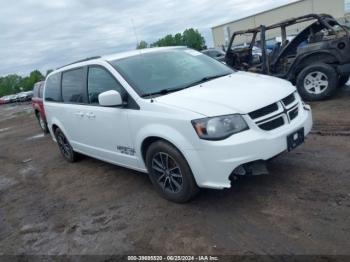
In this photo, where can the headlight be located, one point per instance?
(219, 128)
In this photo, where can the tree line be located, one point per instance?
(190, 38)
(12, 84)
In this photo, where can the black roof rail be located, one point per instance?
(79, 61)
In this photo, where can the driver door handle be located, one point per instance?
(81, 114)
(91, 115)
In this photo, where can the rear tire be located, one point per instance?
(65, 147)
(170, 173)
(317, 82)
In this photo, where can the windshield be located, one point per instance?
(168, 70)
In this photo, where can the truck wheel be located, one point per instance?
(42, 123)
(317, 82)
(65, 147)
(343, 80)
(170, 173)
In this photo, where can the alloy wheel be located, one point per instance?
(168, 173)
(316, 82)
(64, 145)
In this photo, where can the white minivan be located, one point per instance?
(184, 118)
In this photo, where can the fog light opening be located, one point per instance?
(256, 168)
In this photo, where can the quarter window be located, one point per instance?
(36, 90)
(99, 81)
(41, 89)
(52, 90)
(73, 86)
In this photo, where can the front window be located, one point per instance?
(99, 81)
(168, 71)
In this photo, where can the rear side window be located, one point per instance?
(99, 81)
(52, 90)
(73, 87)
(36, 90)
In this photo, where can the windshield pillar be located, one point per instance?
(265, 65)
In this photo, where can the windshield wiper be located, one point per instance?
(163, 92)
(206, 79)
(172, 90)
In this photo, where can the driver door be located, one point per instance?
(107, 130)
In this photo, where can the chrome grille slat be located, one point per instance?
(293, 113)
(273, 124)
(264, 111)
(278, 114)
(289, 100)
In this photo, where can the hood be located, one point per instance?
(240, 92)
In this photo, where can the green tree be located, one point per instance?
(13, 83)
(10, 84)
(29, 81)
(178, 39)
(193, 39)
(168, 40)
(190, 38)
(142, 45)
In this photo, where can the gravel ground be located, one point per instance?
(48, 206)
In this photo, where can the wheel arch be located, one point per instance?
(315, 90)
(147, 136)
(54, 125)
(325, 57)
(147, 142)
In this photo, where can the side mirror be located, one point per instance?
(110, 98)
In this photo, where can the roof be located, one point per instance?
(115, 56)
(259, 13)
(138, 52)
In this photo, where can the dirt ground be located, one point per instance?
(48, 206)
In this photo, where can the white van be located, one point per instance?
(184, 118)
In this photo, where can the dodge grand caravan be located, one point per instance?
(184, 118)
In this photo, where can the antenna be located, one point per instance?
(134, 29)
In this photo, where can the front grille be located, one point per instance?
(273, 124)
(264, 111)
(289, 99)
(294, 113)
(278, 114)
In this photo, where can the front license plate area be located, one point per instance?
(296, 139)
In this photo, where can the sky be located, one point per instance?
(46, 34)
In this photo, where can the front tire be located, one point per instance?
(317, 82)
(65, 147)
(170, 173)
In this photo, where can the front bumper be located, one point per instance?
(214, 163)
